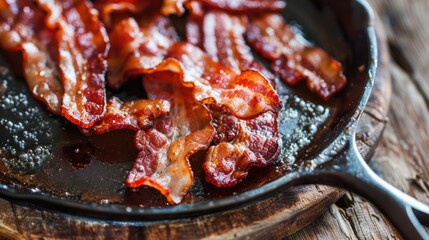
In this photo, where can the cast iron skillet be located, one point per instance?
(45, 161)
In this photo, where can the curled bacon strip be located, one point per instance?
(245, 6)
(191, 74)
(246, 95)
(173, 7)
(82, 53)
(23, 28)
(163, 161)
(133, 115)
(231, 6)
(137, 46)
(239, 145)
(292, 60)
(223, 40)
(115, 10)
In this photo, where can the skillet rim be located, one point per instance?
(123, 213)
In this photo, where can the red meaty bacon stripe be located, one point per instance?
(245, 95)
(164, 151)
(82, 51)
(113, 10)
(173, 7)
(23, 28)
(221, 36)
(163, 161)
(138, 45)
(245, 6)
(292, 60)
(133, 115)
(231, 6)
(239, 143)
(139, 35)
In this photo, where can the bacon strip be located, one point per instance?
(246, 95)
(231, 6)
(139, 37)
(223, 40)
(239, 145)
(23, 28)
(173, 7)
(133, 115)
(138, 46)
(291, 59)
(115, 10)
(246, 6)
(82, 52)
(163, 161)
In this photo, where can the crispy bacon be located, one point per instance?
(246, 95)
(108, 8)
(250, 142)
(239, 145)
(82, 51)
(23, 28)
(137, 46)
(113, 11)
(291, 59)
(231, 6)
(173, 7)
(155, 165)
(133, 115)
(245, 6)
(223, 40)
(163, 161)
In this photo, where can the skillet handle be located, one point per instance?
(351, 172)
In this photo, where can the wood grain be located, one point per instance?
(401, 156)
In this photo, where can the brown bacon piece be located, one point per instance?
(239, 145)
(82, 51)
(231, 6)
(223, 40)
(248, 142)
(163, 161)
(245, 95)
(137, 46)
(23, 28)
(246, 6)
(109, 8)
(133, 115)
(112, 11)
(173, 7)
(291, 59)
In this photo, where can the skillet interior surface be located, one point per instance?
(47, 161)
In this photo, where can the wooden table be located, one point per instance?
(401, 156)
